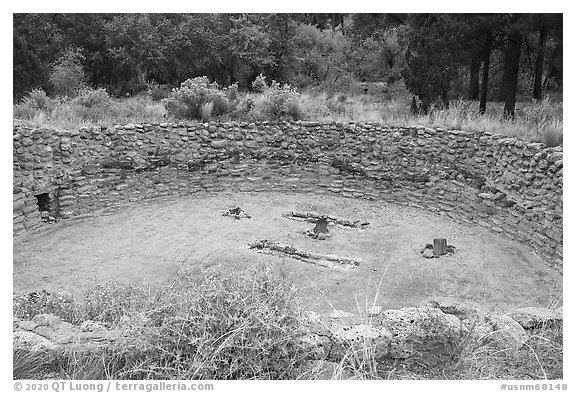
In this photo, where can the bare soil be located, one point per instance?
(150, 241)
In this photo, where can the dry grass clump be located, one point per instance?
(214, 328)
(88, 107)
(248, 327)
(535, 121)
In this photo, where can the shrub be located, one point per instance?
(91, 104)
(92, 98)
(35, 102)
(240, 327)
(282, 102)
(67, 74)
(231, 92)
(186, 102)
(27, 306)
(259, 84)
(206, 110)
(158, 92)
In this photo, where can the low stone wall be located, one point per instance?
(510, 186)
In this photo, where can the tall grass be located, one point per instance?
(213, 328)
(535, 121)
(248, 326)
(92, 107)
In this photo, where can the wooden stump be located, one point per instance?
(321, 226)
(440, 247)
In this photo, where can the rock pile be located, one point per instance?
(427, 333)
(237, 213)
(313, 217)
(332, 261)
(48, 333)
(430, 334)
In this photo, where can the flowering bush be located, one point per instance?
(282, 102)
(187, 101)
(259, 85)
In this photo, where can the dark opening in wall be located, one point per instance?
(43, 201)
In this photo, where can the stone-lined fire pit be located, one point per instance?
(438, 248)
(313, 217)
(236, 212)
(332, 261)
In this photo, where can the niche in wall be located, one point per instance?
(48, 205)
(44, 202)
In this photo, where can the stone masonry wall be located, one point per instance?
(510, 186)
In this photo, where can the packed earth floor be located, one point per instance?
(156, 239)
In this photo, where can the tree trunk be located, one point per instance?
(510, 76)
(440, 247)
(485, 70)
(552, 66)
(474, 78)
(540, 62)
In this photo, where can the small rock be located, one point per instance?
(506, 331)
(27, 325)
(32, 342)
(65, 296)
(428, 253)
(374, 310)
(456, 307)
(47, 320)
(219, 144)
(423, 331)
(321, 236)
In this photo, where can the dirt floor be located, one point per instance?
(151, 241)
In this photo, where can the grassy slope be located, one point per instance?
(244, 328)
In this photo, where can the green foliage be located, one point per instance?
(241, 327)
(91, 104)
(248, 326)
(381, 56)
(67, 75)
(158, 92)
(187, 101)
(92, 98)
(431, 63)
(27, 307)
(259, 84)
(35, 103)
(206, 111)
(282, 102)
(322, 57)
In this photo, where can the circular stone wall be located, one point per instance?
(490, 184)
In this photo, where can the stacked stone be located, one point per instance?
(508, 186)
